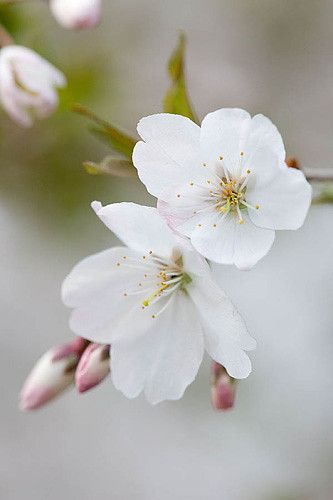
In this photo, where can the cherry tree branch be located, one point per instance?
(319, 174)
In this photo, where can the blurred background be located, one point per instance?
(269, 56)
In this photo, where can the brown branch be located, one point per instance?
(312, 174)
(319, 174)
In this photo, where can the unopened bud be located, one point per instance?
(77, 14)
(93, 367)
(51, 375)
(223, 388)
(28, 84)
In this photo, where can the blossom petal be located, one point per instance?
(224, 329)
(222, 135)
(140, 228)
(96, 287)
(229, 242)
(263, 134)
(159, 356)
(169, 154)
(219, 313)
(92, 275)
(284, 201)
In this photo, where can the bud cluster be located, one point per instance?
(80, 362)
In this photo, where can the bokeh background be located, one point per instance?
(269, 56)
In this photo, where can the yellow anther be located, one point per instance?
(204, 164)
(257, 207)
(214, 225)
(153, 295)
(191, 183)
(241, 221)
(153, 316)
(221, 158)
(242, 153)
(248, 171)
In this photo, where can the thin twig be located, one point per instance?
(318, 174)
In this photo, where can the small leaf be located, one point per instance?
(176, 100)
(118, 167)
(119, 141)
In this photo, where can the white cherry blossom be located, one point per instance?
(155, 302)
(77, 14)
(225, 186)
(28, 84)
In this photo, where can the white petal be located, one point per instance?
(96, 287)
(94, 274)
(170, 155)
(284, 200)
(160, 356)
(193, 262)
(224, 330)
(219, 313)
(233, 243)
(263, 134)
(140, 228)
(189, 206)
(222, 134)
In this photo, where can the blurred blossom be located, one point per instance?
(93, 367)
(51, 375)
(77, 14)
(28, 84)
(223, 388)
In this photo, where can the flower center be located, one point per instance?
(231, 193)
(160, 278)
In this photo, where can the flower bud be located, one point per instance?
(51, 375)
(28, 84)
(223, 388)
(93, 367)
(76, 14)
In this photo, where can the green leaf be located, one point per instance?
(176, 99)
(110, 165)
(116, 138)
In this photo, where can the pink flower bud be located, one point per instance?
(93, 367)
(51, 375)
(28, 84)
(76, 14)
(223, 388)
